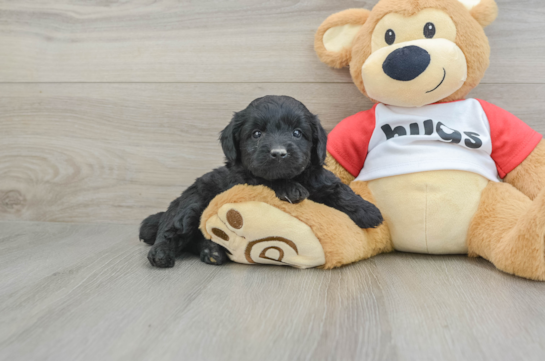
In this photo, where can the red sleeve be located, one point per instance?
(348, 142)
(512, 139)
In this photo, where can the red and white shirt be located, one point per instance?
(470, 135)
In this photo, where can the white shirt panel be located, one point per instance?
(447, 136)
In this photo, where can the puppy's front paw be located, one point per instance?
(294, 193)
(214, 254)
(368, 216)
(161, 256)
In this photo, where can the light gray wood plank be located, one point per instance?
(214, 41)
(118, 152)
(98, 299)
(469, 308)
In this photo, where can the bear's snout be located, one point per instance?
(414, 73)
(407, 63)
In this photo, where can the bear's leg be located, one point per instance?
(509, 231)
(256, 227)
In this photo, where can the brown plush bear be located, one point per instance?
(451, 175)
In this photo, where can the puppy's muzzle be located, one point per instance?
(278, 153)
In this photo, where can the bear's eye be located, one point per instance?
(256, 134)
(297, 133)
(429, 30)
(390, 37)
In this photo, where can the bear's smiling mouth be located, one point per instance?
(444, 76)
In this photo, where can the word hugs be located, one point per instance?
(447, 134)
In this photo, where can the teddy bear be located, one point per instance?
(450, 174)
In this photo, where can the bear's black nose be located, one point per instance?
(406, 63)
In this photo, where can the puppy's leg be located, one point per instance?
(363, 213)
(335, 194)
(208, 251)
(170, 240)
(162, 254)
(164, 250)
(179, 229)
(289, 191)
(179, 225)
(211, 253)
(149, 228)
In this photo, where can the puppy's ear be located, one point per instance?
(319, 142)
(230, 138)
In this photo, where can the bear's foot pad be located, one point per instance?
(256, 232)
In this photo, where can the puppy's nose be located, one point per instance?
(278, 153)
(405, 64)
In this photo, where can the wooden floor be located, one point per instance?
(86, 292)
(109, 109)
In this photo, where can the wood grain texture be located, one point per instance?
(110, 108)
(118, 152)
(214, 41)
(87, 292)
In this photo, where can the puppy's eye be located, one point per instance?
(429, 30)
(390, 37)
(297, 133)
(256, 134)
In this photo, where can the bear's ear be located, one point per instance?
(484, 11)
(333, 40)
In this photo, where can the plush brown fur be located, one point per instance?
(485, 12)
(529, 176)
(333, 166)
(338, 59)
(470, 37)
(509, 231)
(343, 242)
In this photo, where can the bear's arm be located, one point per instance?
(517, 149)
(529, 176)
(334, 167)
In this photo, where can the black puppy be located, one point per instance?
(274, 142)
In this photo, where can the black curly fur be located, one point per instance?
(295, 173)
